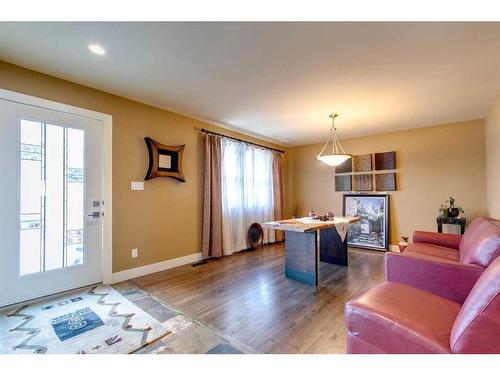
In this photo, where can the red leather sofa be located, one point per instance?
(446, 264)
(398, 318)
(442, 295)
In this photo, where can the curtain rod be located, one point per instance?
(237, 139)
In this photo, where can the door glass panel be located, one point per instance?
(75, 202)
(31, 220)
(54, 180)
(52, 198)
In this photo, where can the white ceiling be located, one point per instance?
(279, 81)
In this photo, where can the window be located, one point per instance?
(247, 192)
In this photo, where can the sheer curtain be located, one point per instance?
(247, 193)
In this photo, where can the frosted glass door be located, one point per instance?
(51, 187)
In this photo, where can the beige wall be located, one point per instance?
(433, 163)
(493, 160)
(164, 220)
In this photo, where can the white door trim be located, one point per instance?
(107, 181)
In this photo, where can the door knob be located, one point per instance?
(95, 215)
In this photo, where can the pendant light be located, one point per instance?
(338, 155)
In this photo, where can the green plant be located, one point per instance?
(447, 205)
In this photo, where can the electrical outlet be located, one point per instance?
(135, 253)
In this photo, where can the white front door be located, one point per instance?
(50, 201)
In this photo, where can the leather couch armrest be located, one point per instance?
(397, 318)
(442, 239)
(447, 279)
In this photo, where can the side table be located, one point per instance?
(451, 220)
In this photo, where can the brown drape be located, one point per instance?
(278, 191)
(212, 198)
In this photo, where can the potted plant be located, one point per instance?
(454, 211)
(448, 209)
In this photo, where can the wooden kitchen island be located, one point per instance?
(301, 245)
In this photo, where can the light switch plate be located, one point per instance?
(137, 185)
(135, 253)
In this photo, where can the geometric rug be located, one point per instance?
(97, 320)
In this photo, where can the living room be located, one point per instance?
(250, 188)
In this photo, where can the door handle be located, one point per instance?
(95, 215)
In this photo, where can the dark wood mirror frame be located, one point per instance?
(155, 149)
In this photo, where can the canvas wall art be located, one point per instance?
(385, 182)
(345, 167)
(372, 231)
(385, 160)
(362, 163)
(363, 182)
(343, 183)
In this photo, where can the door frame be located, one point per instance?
(107, 170)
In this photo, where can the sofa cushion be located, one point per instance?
(448, 279)
(480, 244)
(398, 318)
(442, 239)
(432, 252)
(477, 327)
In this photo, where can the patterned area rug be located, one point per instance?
(98, 320)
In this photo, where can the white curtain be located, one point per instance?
(247, 193)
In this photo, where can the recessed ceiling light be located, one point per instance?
(97, 49)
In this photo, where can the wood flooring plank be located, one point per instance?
(246, 296)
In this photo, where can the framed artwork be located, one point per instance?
(164, 161)
(385, 160)
(345, 167)
(385, 181)
(372, 231)
(363, 182)
(343, 183)
(362, 163)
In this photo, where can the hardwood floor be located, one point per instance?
(246, 298)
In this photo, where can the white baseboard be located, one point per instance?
(152, 268)
(167, 264)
